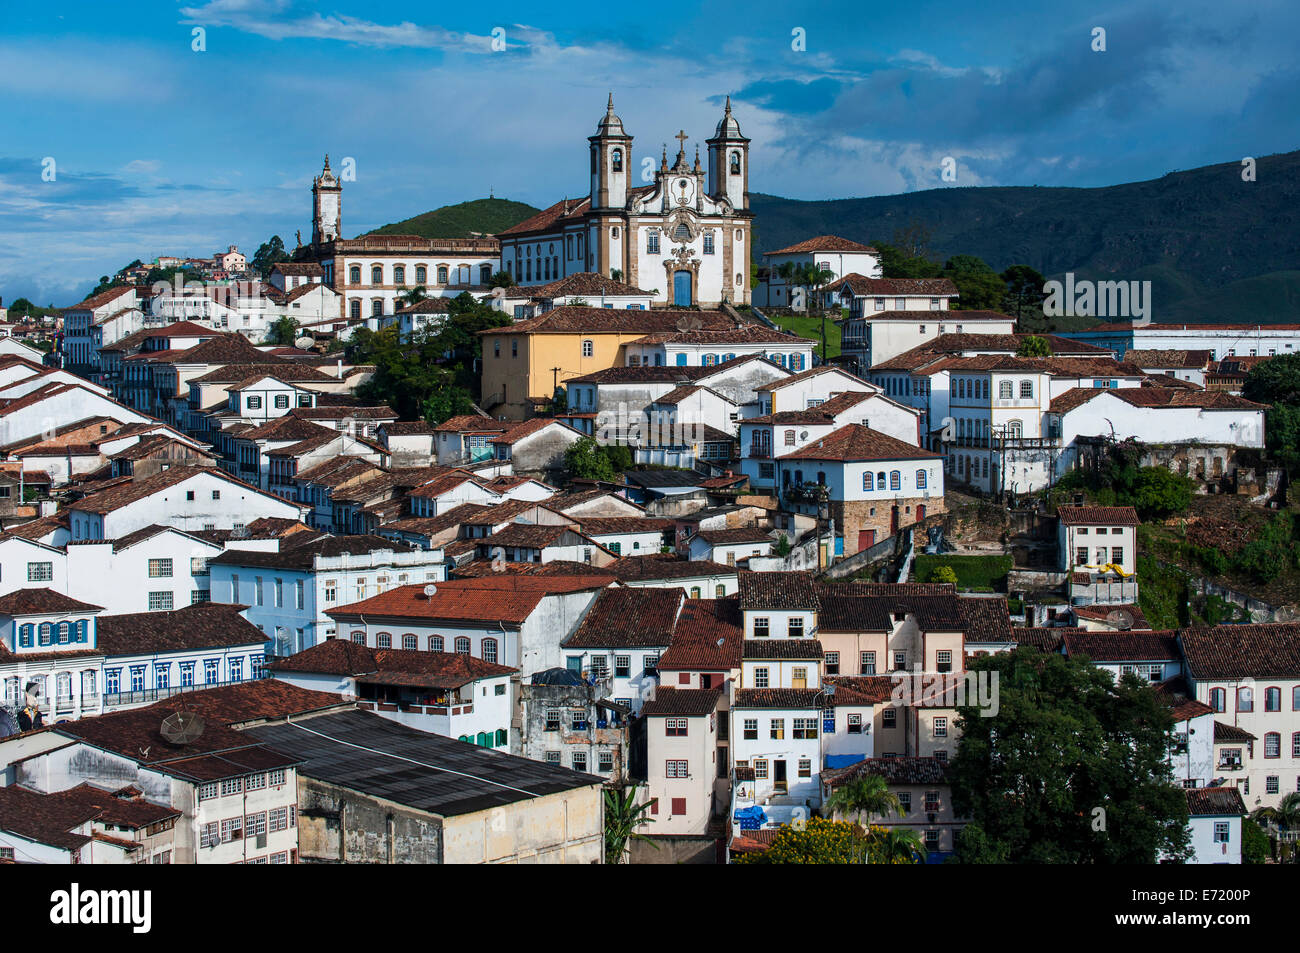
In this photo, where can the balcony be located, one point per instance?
(806, 493)
(759, 452)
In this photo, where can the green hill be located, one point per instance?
(485, 216)
(1214, 247)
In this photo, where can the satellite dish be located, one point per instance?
(430, 590)
(1120, 618)
(181, 727)
(303, 343)
(804, 435)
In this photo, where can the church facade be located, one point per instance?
(686, 236)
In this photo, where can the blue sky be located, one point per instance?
(159, 149)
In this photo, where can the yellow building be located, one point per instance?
(523, 363)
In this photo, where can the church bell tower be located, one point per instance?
(327, 206)
(611, 158)
(729, 162)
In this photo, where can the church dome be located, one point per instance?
(727, 126)
(610, 125)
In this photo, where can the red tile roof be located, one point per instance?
(854, 442)
(688, 702)
(576, 318)
(1215, 802)
(1097, 515)
(391, 666)
(822, 243)
(42, 601)
(1123, 646)
(629, 617)
(1261, 650)
(701, 626)
(202, 625)
(500, 597)
(863, 287)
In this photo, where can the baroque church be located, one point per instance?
(686, 235)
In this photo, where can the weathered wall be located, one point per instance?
(338, 825)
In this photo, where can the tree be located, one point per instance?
(1156, 492)
(622, 818)
(979, 287)
(268, 253)
(943, 574)
(1072, 768)
(283, 332)
(868, 795)
(823, 841)
(1024, 296)
(1254, 843)
(1277, 382)
(502, 279)
(894, 845)
(588, 460)
(1034, 346)
(410, 297)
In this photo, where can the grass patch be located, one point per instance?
(981, 573)
(810, 327)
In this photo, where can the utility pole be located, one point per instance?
(555, 382)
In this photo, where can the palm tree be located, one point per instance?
(869, 794)
(1284, 817)
(622, 818)
(413, 296)
(896, 845)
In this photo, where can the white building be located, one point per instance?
(839, 256)
(289, 590)
(1222, 340)
(877, 336)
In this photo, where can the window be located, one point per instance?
(622, 666)
(831, 664)
(1245, 699)
(760, 678)
(1272, 699)
(384, 640)
(160, 601)
(889, 718)
(1026, 389)
(578, 719)
(210, 835)
(255, 824)
(552, 719)
(900, 661)
(377, 275)
(281, 401)
(867, 663)
(855, 724)
(867, 482)
(489, 649)
(652, 242)
(776, 729)
(805, 728)
(1221, 835)
(708, 243)
(677, 769)
(1272, 745)
(941, 727)
(895, 480)
(1272, 784)
(40, 572)
(354, 275)
(794, 629)
(588, 348)
(760, 769)
(254, 403)
(580, 761)
(675, 727)
(462, 645)
(435, 643)
(761, 630)
(805, 768)
(232, 786)
(944, 660)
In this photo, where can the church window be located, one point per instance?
(421, 275)
(740, 279)
(708, 243)
(681, 233)
(377, 274)
(399, 275)
(652, 241)
(354, 275)
(616, 160)
(355, 309)
(735, 163)
(442, 274)
(740, 234)
(613, 232)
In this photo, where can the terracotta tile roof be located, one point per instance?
(101, 299)
(471, 423)
(702, 624)
(499, 597)
(778, 590)
(220, 349)
(688, 702)
(391, 666)
(403, 428)
(797, 650)
(517, 432)
(588, 284)
(1097, 515)
(750, 334)
(1191, 360)
(947, 345)
(43, 601)
(846, 608)
(863, 287)
(247, 702)
(307, 269)
(1215, 802)
(527, 535)
(1261, 650)
(855, 442)
(732, 537)
(203, 625)
(556, 567)
(1046, 638)
(1103, 614)
(629, 617)
(666, 566)
(1154, 397)
(434, 305)
(547, 218)
(44, 819)
(301, 555)
(609, 525)
(106, 501)
(947, 317)
(824, 413)
(822, 243)
(1231, 734)
(1181, 701)
(779, 698)
(1123, 646)
(893, 770)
